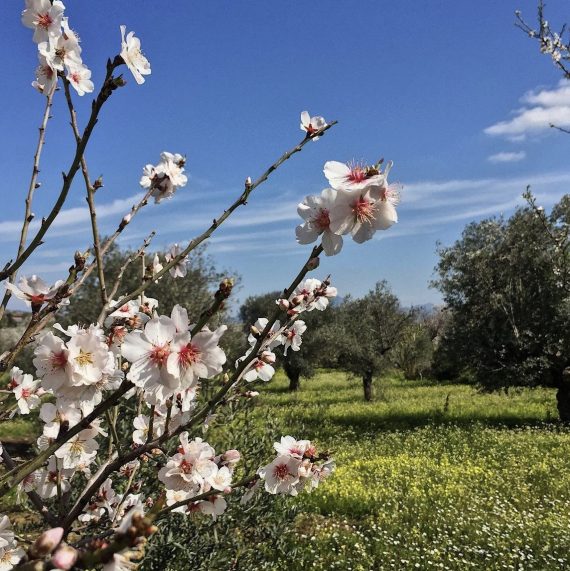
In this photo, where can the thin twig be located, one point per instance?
(90, 195)
(241, 200)
(109, 85)
(28, 216)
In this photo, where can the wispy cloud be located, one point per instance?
(542, 108)
(507, 157)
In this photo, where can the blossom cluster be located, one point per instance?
(358, 202)
(308, 295)
(194, 470)
(59, 51)
(297, 467)
(166, 360)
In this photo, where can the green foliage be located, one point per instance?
(365, 332)
(505, 284)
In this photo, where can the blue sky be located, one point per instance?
(450, 91)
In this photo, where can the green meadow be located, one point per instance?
(429, 476)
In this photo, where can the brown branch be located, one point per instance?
(109, 85)
(90, 188)
(105, 311)
(28, 216)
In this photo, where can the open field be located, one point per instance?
(430, 476)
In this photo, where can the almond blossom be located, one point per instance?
(48, 479)
(79, 76)
(281, 475)
(6, 533)
(79, 450)
(293, 336)
(34, 291)
(148, 351)
(44, 17)
(315, 211)
(166, 177)
(296, 467)
(361, 214)
(214, 506)
(190, 468)
(311, 125)
(46, 76)
(179, 269)
(10, 557)
(133, 57)
(260, 368)
(353, 176)
(274, 336)
(54, 415)
(311, 294)
(26, 394)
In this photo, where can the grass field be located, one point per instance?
(430, 476)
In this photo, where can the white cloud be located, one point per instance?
(542, 108)
(507, 157)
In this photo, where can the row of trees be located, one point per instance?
(364, 337)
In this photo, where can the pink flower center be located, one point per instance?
(58, 360)
(37, 298)
(159, 354)
(259, 364)
(281, 471)
(44, 21)
(363, 209)
(357, 174)
(188, 355)
(186, 466)
(322, 219)
(291, 334)
(75, 77)
(26, 393)
(124, 309)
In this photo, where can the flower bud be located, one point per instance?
(126, 219)
(98, 183)
(267, 357)
(248, 182)
(231, 457)
(64, 558)
(313, 263)
(225, 378)
(283, 304)
(297, 300)
(255, 331)
(46, 542)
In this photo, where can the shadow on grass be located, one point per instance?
(400, 421)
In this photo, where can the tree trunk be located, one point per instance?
(294, 381)
(367, 385)
(563, 396)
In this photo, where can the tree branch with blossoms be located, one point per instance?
(90, 372)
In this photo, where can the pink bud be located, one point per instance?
(64, 558)
(231, 457)
(268, 357)
(297, 300)
(283, 304)
(46, 542)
